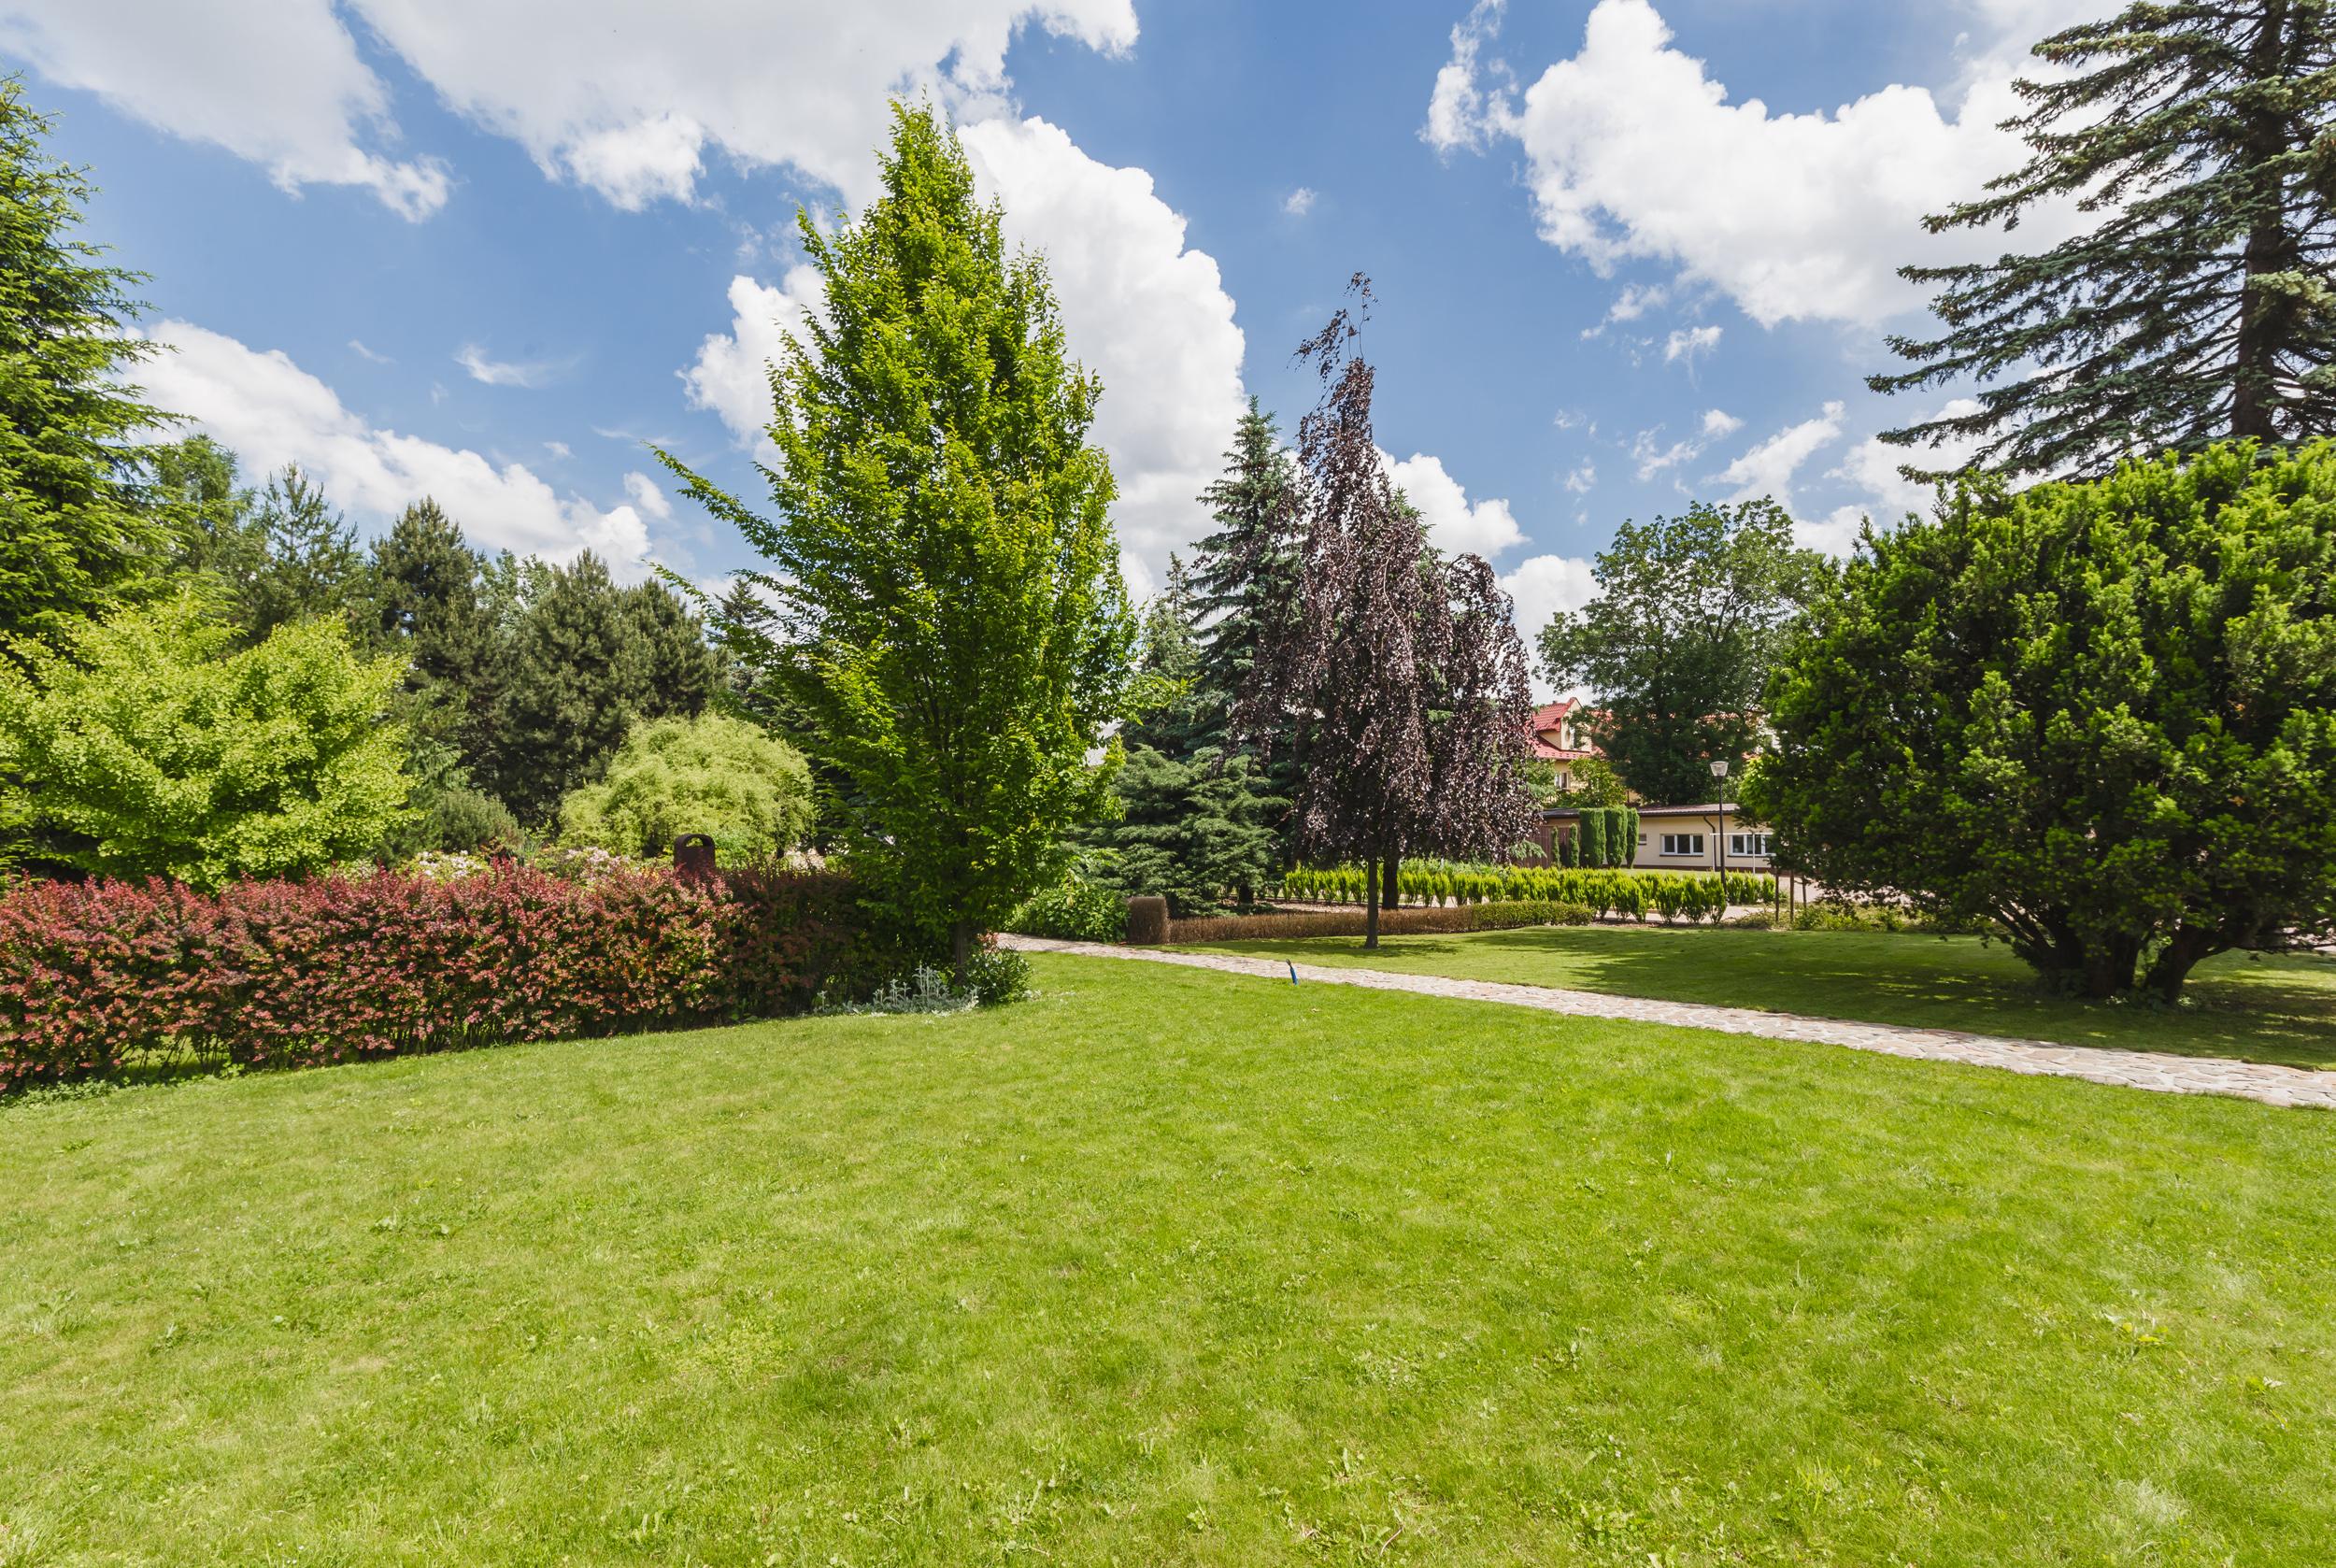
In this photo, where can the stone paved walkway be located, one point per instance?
(2126, 1069)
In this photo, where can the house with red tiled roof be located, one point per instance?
(1561, 736)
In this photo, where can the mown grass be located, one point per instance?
(2278, 1008)
(1166, 1266)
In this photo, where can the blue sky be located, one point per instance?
(1627, 253)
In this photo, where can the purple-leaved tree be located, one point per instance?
(1401, 681)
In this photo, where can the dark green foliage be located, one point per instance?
(1248, 574)
(1570, 849)
(426, 599)
(577, 678)
(213, 539)
(950, 630)
(1628, 850)
(2101, 715)
(457, 818)
(1190, 832)
(2201, 305)
(678, 672)
(1688, 616)
(77, 533)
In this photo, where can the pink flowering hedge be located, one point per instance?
(288, 974)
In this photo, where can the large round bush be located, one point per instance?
(709, 775)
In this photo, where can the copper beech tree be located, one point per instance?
(1401, 681)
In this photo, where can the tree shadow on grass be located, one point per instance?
(2273, 1009)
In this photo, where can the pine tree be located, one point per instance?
(952, 625)
(577, 675)
(2204, 305)
(1246, 574)
(679, 671)
(76, 534)
(425, 600)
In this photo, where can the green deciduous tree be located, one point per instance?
(149, 745)
(1690, 613)
(75, 532)
(950, 622)
(2202, 304)
(709, 775)
(2100, 715)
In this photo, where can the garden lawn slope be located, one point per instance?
(1165, 1266)
(2277, 1009)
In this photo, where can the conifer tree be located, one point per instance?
(951, 623)
(678, 672)
(577, 676)
(2204, 305)
(1245, 575)
(77, 535)
(426, 601)
(308, 566)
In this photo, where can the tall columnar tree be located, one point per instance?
(2202, 304)
(950, 622)
(1394, 672)
(2100, 715)
(75, 532)
(1689, 615)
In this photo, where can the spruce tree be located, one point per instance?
(2203, 306)
(577, 675)
(1245, 575)
(76, 534)
(951, 623)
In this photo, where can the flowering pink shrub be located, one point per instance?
(293, 973)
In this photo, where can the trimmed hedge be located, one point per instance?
(1617, 890)
(285, 974)
(1393, 923)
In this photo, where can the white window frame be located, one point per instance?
(1748, 846)
(1693, 846)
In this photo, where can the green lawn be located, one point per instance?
(1166, 1266)
(2279, 1008)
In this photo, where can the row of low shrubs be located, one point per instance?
(1397, 922)
(287, 974)
(1695, 895)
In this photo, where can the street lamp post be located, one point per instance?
(1719, 771)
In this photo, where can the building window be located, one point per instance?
(1683, 844)
(1749, 845)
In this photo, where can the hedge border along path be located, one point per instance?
(2155, 1071)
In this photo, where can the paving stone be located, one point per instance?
(2152, 1072)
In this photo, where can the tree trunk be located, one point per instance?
(2109, 967)
(2266, 319)
(2174, 961)
(1370, 899)
(1391, 884)
(961, 949)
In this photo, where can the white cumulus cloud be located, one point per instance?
(278, 82)
(1454, 523)
(1768, 468)
(628, 99)
(269, 412)
(1635, 152)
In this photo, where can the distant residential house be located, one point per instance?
(1680, 837)
(1561, 738)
